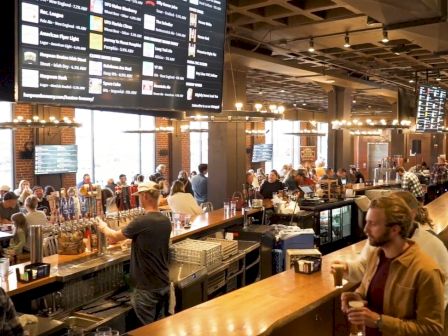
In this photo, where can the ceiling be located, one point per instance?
(278, 32)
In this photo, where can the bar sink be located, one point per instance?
(77, 321)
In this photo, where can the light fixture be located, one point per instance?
(369, 124)
(411, 80)
(438, 78)
(354, 101)
(239, 106)
(36, 122)
(311, 46)
(359, 132)
(347, 41)
(188, 129)
(304, 104)
(258, 107)
(255, 132)
(385, 37)
(162, 129)
(307, 132)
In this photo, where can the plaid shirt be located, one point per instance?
(411, 183)
(9, 325)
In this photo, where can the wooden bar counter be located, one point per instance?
(269, 307)
(200, 225)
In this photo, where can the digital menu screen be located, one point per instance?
(431, 109)
(130, 54)
(262, 153)
(55, 159)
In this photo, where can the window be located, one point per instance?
(105, 151)
(322, 143)
(286, 148)
(6, 158)
(198, 144)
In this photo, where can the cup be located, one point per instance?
(4, 267)
(233, 207)
(187, 218)
(356, 329)
(338, 274)
(104, 331)
(226, 208)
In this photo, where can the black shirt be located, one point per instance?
(268, 188)
(6, 213)
(150, 236)
(44, 206)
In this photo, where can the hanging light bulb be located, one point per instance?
(347, 41)
(438, 78)
(311, 46)
(385, 37)
(239, 106)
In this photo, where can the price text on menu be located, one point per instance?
(134, 54)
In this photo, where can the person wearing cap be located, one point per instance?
(150, 234)
(8, 207)
(3, 190)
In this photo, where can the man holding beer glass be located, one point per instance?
(402, 289)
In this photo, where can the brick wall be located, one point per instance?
(68, 137)
(24, 168)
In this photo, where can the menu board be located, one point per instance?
(262, 153)
(55, 159)
(431, 109)
(130, 54)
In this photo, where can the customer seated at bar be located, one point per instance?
(183, 177)
(34, 216)
(19, 241)
(3, 190)
(355, 176)
(428, 242)
(23, 191)
(181, 201)
(160, 172)
(410, 182)
(271, 185)
(302, 180)
(261, 176)
(290, 182)
(402, 285)
(42, 202)
(8, 207)
(342, 176)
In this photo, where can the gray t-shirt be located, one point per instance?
(6, 213)
(150, 236)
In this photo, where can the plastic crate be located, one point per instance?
(228, 247)
(198, 252)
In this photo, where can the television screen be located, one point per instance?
(262, 153)
(129, 54)
(430, 109)
(55, 159)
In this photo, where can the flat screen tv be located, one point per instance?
(262, 153)
(430, 108)
(55, 159)
(122, 54)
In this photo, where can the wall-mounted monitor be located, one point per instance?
(55, 159)
(262, 153)
(430, 108)
(128, 54)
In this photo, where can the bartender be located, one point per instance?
(150, 234)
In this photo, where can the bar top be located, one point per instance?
(66, 266)
(256, 309)
(437, 211)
